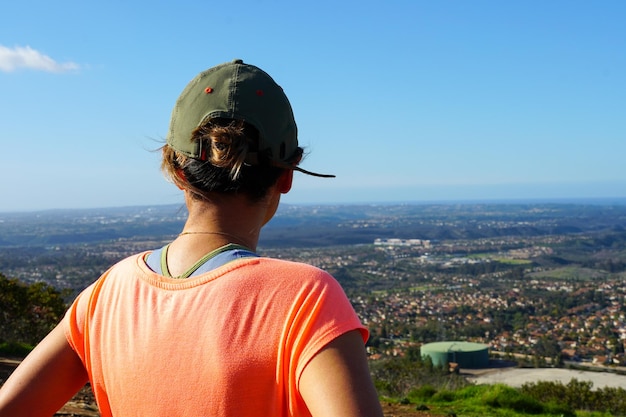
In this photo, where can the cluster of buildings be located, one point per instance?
(416, 291)
(402, 242)
(510, 314)
(511, 322)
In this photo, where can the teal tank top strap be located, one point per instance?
(157, 260)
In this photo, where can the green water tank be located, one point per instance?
(467, 354)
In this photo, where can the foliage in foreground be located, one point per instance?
(396, 377)
(484, 400)
(411, 380)
(580, 395)
(27, 312)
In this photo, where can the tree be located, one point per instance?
(547, 347)
(28, 312)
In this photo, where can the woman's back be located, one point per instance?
(229, 342)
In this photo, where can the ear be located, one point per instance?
(285, 181)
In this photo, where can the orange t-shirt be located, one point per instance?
(230, 342)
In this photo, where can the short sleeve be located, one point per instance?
(325, 317)
(320, 313)
(75, 319)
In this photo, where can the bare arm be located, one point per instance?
(49, 376)
(337, 381)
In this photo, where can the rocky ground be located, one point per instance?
(83, 404)
(397, 410)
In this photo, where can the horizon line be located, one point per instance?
(462, 201)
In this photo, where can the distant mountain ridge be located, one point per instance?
(324, 225)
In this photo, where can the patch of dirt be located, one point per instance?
(399, 410)
(82, 405)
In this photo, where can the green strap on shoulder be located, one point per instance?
(166, 272)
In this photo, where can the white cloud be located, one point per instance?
(16, 58)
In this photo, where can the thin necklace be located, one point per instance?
(233, 238)
(209, 233)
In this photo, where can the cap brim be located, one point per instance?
(297, 168)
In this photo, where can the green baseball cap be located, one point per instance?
(238, 91)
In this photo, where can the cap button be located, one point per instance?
(237, 61)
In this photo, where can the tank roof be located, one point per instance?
(452, 346)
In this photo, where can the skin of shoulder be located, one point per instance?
(347, 389)
(49, 376)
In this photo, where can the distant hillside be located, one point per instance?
(321, 225)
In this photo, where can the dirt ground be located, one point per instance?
(397, 410)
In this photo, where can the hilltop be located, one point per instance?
(539, 282)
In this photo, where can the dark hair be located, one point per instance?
(223, 168)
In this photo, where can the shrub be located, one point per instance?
(397, 377)
(558, 409)
(472, 391)
(502, 396)
(444, 396)
(28, 312)
(424, 392)
(15, 349)
(545, 391)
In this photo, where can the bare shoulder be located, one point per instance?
(347, 388)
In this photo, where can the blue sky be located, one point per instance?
(402, 100)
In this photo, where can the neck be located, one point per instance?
(226, 218)
(211, 225)
(227, 237)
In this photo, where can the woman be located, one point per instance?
(205, 326)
